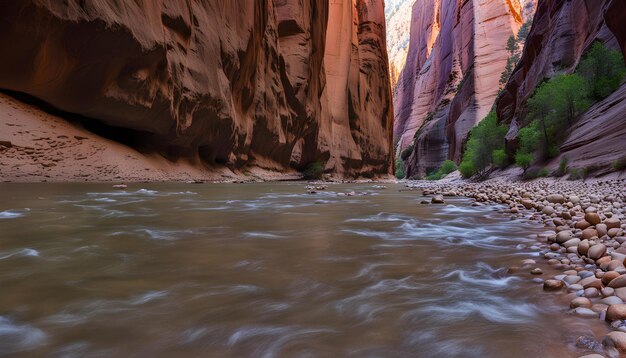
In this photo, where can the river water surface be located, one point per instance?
(267, 270)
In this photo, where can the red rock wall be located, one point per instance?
(562, 31)
(273, 83)
(456, 56)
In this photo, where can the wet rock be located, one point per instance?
(553, 285)
(582, 225)
(611, 300)
(585, 312)
(572, 243)
(615, 312)
(612, 223)
(609, 276)
(564, 236)
(588, 234)
(556, 198)
(615, 340)
(591, 292)
(596, 251)
(592, 218)
(580, 302)
(618, 282)
(601, 229)
(620, 292)
(590, 282)
(583, 247)
(571, 279)
(437, 199)
(536, 271)
(608, 291)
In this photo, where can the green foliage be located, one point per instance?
(536, 173)
(458, 88)
(313, 171)
(524, 160)
(406, 153)
(446, 168)
(400, 173)
(499, 158)
(484, 139)
(467, 169)
(429, 117)
(529, 138)
(434, 176)
(562, 170)
(603, 69)
(522, 34)
(620, 164)
(511, 45)
(575, 174)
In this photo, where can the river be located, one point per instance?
(268, 270)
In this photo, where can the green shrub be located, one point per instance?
(524, 160)
(467, 169)
(575, 174)
(562, 170)
(400, 173)
(447, 167)
(314, 171)
(435, 175)
(406, 153)
(484, 139)
(620, 164)
(543, 172)
(499, 158)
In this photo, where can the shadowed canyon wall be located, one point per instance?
(277, 84)
(562, 32)
(456, 55)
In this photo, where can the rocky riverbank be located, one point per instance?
(585, 242)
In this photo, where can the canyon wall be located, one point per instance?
(398, 19)
(561, 33)
(456, 55)
(277, 84)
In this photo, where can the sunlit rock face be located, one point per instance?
(562, 31)
(277, 84)
(457, 52)
(398, 16)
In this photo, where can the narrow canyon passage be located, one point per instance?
(268, 270)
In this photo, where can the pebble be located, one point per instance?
(616, 340)
(536, 271)
(552, 285)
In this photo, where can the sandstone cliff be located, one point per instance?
(398, 19)
(562, 31)
(277, 84)
(451, 77)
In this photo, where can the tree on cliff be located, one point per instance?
(603, 69)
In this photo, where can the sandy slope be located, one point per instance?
(37, 146)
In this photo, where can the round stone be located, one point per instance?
(615, 340)
(619, 281)
(552, 285)
(596, 251)
(580, 302)
(592, 218)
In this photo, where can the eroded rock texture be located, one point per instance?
(272, 83)
(562, 31)
(398, 18)
(451, 77)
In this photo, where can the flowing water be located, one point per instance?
(267, 270)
